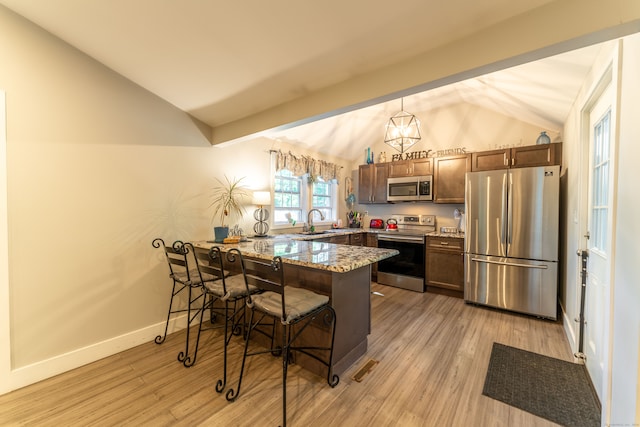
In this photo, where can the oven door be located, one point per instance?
(405, 270)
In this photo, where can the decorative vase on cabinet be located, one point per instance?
(543, 139)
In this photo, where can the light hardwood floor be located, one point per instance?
(433, 352)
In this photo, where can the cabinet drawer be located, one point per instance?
(356, 239)
(340, 240)
(451, 243)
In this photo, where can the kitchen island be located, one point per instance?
(341, 272)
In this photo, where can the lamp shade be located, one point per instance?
(261, 198)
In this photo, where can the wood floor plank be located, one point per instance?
(433, 352)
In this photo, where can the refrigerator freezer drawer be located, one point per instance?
(524, 286)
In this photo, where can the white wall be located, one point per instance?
(625, 369)
(621, 406)
(574, 158)
(96, 168)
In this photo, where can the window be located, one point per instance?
(295, 196)
(600, 205)
(287, 197)
(322, 198)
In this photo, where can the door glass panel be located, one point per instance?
(600, 208)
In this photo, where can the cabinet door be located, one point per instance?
(422, 167)
(401, 168)
(445, 264)
(449, 178)
(490, 160)
(379, 190)
(536, 155)
(416, 167)
(365, 183)
(371, 240)
(372, 183)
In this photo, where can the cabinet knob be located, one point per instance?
(444, 243)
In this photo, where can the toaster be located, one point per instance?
(376, 223)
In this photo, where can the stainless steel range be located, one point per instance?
(406, 270)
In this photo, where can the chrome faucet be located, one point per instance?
(310, 217)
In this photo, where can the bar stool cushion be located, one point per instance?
(182, 277)
(235, 287)
(298, 302)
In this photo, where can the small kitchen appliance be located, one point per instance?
(410, 189)
(376, 223)
(392, 224)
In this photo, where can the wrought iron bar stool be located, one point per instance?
(219, 285)
(181, 273)
(292, 307)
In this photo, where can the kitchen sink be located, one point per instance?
(311, 233)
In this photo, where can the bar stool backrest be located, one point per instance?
(266, 275)
(176, 259)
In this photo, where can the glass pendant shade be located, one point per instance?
(402, 131)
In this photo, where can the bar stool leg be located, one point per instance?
(285, 365)
(221, 384)
(232, 394)
(160, 338)
(188, 361)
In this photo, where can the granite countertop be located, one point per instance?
(307, 253)
(347, 231)
(458, 235)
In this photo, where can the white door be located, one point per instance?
(599, 223)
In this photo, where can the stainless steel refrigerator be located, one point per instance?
(511, 239)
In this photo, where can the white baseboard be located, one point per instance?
(48, 368)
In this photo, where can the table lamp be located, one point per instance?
(261, 199)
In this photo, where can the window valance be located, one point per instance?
(301, 165)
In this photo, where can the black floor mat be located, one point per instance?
(550, 388)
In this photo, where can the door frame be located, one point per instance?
(5, 316)
(610, 75)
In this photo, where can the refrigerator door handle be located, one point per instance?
(513, 264)
(510, 212)
(504, 207)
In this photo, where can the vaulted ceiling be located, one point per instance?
(222, 61)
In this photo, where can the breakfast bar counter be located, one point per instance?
(341, 272)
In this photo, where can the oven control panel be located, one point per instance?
(421, 220)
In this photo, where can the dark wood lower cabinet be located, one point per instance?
(356, 239)
(371, 240)
(445, 265)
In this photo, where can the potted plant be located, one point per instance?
(227, 199)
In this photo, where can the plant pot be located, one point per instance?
(220, 233)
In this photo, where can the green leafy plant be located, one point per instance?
(227, 198)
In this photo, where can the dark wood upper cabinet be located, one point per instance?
(449, 178)
(518, 157)
(372, 183)
(536, 155)
(415, 167)
(491, 160)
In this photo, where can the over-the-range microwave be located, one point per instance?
(410, 189)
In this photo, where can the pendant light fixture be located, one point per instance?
(403, 130)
